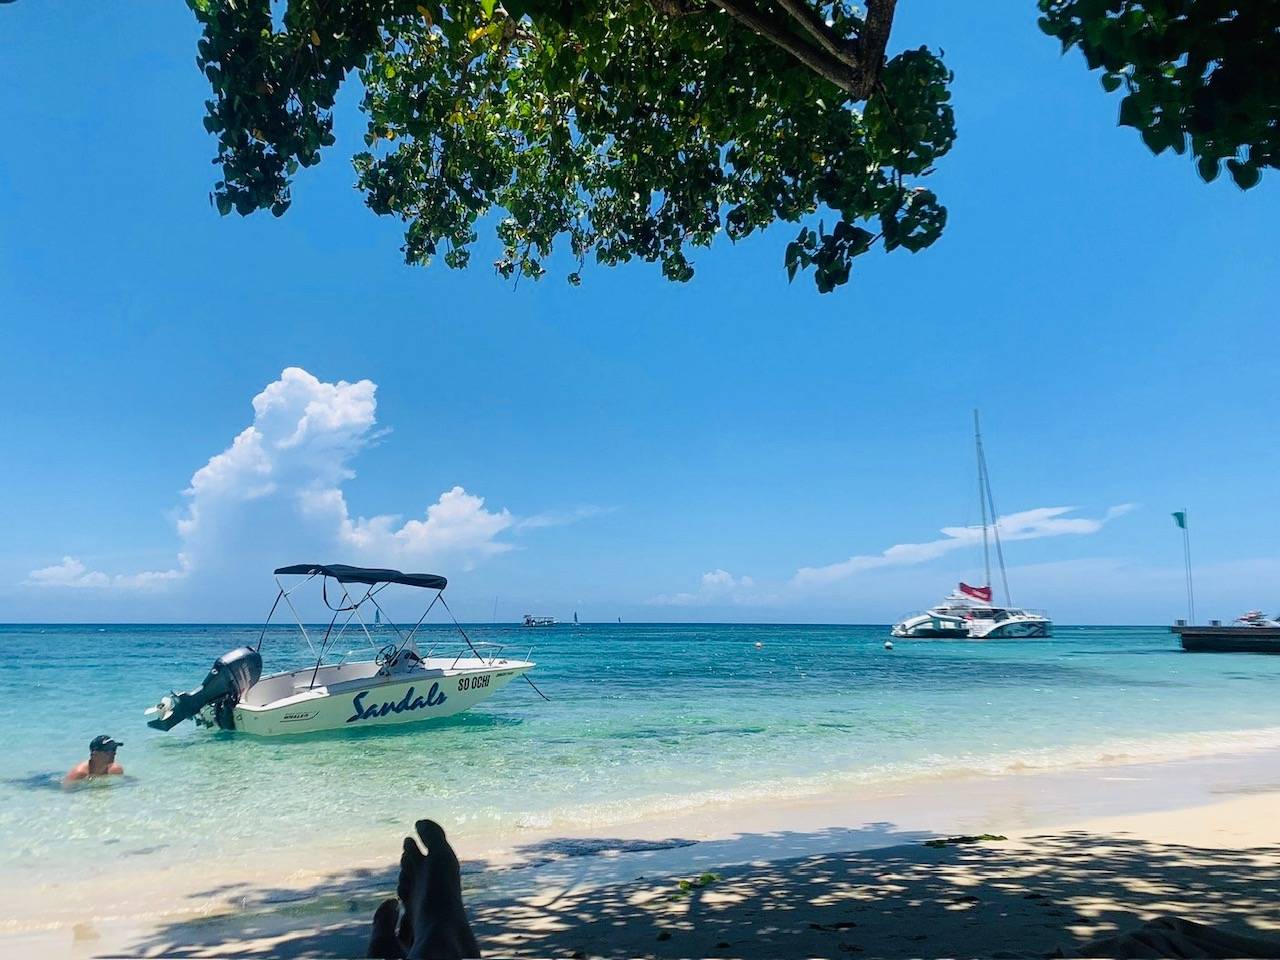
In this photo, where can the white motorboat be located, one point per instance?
(531, 621)
(1256, 618)
(399, 685)
(970, 613)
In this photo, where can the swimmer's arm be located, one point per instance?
(115, 768)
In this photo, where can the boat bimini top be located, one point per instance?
(374, 580)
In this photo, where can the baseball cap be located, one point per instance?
(104, 744)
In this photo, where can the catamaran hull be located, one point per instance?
(929, 633)
(927, 627)
(408, 700)
(1018, 630)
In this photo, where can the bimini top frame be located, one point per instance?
(373, 576)
(375, 580)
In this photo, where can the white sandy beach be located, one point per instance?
(1089, 852)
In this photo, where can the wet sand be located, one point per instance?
(1088, 853)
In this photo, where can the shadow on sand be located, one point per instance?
(590, 897)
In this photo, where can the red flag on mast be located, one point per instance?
(978, 593)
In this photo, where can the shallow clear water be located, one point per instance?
(642, 719)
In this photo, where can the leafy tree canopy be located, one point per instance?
(624, 128)
(643, 128)
(1198, 74)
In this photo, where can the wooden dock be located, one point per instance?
(1216, 639)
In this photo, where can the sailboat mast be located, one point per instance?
(982, 499)
(989, 506)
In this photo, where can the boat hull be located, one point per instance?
(930, 626)
(1018, 630)
(397, 700)
(933, 627)
(1229, 639)
(930, 633)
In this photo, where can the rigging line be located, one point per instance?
(445, 604)
(351, 610)
(414, 631)
(1000, 549)
(343, 629)
(306, 636)
(320, 657)
(324, 591)
(356, 613)
(995, 529)
(388, 621)
(1186, 549)
(982, 502)
(301, 583)
(268, 620)
(535, 688)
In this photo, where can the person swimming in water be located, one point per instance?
(101, 762)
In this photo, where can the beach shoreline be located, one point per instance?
(241, 911)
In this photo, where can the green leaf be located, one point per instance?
(1111, 82)
(1245, 175)
(1131, 112)
(1208, 168)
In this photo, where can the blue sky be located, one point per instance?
(651, 444)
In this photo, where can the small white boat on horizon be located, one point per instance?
(531, 621)
(1256, 618)
(970, 613)
(399, 685)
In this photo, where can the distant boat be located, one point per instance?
(969, 613)
(1256, 618)
(377, 617)
(575, 619)
(1252, 632)
(532, 621)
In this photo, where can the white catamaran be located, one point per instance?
(969, 613)
(399, 685)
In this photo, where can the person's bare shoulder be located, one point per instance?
(79, 772)
(115, 768)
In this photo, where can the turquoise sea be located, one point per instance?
(642, 720)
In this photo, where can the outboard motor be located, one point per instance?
(230, 679)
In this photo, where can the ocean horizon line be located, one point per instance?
(516, 623)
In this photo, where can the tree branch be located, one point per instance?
(875, 37)
(778, 33)
(852, 65)
(843, 50)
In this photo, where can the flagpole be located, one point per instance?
(1186, 552)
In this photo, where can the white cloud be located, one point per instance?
(1026, 525)
(559, 518)
(69, 573)
(717, 587)
(456, 524)
(275, 495)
